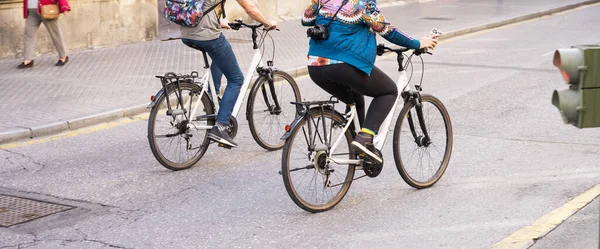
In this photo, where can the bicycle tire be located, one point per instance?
(404, 139)
(200, 144)
(268, 127)
(292, 164)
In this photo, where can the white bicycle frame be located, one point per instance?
(205, 80)
(379, 139)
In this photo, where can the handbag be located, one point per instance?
(50, 11)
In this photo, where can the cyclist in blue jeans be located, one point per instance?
(345, 59)
(208, 36)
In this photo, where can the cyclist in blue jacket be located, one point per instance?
(346, 59)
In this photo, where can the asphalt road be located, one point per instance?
(513, 162)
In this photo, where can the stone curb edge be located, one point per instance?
(517, 19)
(21, 133)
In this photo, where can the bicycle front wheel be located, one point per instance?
(422, 161)
(314, 181)
(269, 109)
(178, 141)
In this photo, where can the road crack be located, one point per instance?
(84, 238)
(106, 244)
(40, 167)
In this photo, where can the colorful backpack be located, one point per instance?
(188, 13)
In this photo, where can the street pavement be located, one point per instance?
(513, 162)
(579, 231)
(107, 83)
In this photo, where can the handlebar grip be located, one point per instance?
(422, 51)
(380, 50)
(235, 25)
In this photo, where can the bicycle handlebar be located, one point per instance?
(238, 23)
(382, 49)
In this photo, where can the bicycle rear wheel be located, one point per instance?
(267, 121)
(314, 182)
(179, 141)
(422, 163)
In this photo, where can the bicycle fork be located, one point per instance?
(423, 140)
(276, 108)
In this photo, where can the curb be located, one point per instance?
(517, 19)
(21, 133)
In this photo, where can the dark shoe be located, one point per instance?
(23, 65)
(221, 137)
(364, 143)
(61, 63)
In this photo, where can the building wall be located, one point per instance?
(106, 23)
(280, 9)
(90, 24)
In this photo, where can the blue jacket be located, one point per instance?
(351, 34)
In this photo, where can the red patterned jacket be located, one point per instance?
(63, 5)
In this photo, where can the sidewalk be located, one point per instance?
(109, 83)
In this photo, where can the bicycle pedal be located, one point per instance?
(225, 146)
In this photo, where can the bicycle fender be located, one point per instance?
(157, 96)
(287, 134)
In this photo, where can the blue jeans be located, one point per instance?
(223, 62)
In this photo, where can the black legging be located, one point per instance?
(334, 79)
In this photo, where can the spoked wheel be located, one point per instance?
(177, 140)
(422, 161)
(313, 181)
(269, 109)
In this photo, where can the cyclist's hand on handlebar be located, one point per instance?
(224, 24)
(271, 26)
(429, 42)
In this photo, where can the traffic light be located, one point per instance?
(580, 67)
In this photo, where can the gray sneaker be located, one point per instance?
(364, 143)
(221, 137)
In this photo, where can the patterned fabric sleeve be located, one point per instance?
(310, 14)
(372, 16)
